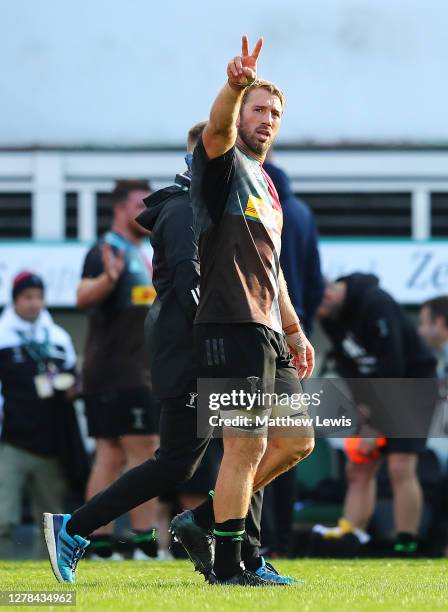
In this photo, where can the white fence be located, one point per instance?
(49, 175)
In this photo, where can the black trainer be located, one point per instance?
(243, 578)
(198, 543)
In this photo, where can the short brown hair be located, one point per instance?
(194, 133)
(269, 86)
(123, 188)
(438, 307)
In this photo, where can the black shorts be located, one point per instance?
(248, 357)
(414, 446)
(241, 350)
(111, 414)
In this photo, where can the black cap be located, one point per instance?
(25, 280)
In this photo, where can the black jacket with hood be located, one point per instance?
(169, 324)
(373, 337)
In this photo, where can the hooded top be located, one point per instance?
(373, 337)
(26, 350)
(299, 258)
(169, 324)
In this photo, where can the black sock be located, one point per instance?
(146, 541)
(72, 529)
(203, 514)
(406, 538)
(228, 547)
(68, 529)
(250, 555)
(252, 563)
(102, 546)
(406, 542)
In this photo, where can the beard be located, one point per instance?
(137, 229)
(252, 143)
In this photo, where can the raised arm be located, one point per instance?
(220, 132)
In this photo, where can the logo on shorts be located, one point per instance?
(253, 381)
(193, 397)
(138, 418)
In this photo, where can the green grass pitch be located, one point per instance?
(330, 585)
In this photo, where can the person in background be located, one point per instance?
(433, 328)
(300, 262)
(373, 338)
(299, 257)
(37, 362)
(122, 412)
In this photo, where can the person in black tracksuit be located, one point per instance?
(372, 338)
(169, 334)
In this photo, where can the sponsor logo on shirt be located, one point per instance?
(143, 295)
(263, 211)
(251, 207)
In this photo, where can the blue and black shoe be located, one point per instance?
(270, 574)
(64, 550)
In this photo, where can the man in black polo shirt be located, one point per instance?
(246, 326)
(122, 412)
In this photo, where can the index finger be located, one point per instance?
(258, 46)
(245, 46)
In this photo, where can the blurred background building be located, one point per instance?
(100, 90)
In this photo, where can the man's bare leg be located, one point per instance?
(285, 449)
(233, 491)
(360, 498)
(407, 492)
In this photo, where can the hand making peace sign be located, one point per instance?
(242, 70)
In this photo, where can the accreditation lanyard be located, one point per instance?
(39, 352)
